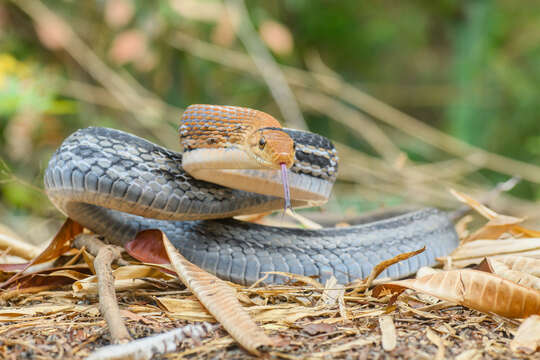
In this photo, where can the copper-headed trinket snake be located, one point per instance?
(235, 161)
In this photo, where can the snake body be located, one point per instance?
(117, 184)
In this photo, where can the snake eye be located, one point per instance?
(262, 143)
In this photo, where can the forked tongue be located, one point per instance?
(285, 181)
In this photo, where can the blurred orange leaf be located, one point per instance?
(118, 12)
(277, 37)
(128, 46)
(52, 32)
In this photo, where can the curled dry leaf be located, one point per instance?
(498, 224)
(380, 267)
(498, 267)
(473, 252)
(59, 245)
(522, 263)
(218, 298)
(527, 339)
(478, 290)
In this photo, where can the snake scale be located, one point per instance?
(117, 184)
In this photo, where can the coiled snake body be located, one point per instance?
(117, 184)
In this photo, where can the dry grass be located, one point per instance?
(56, 324)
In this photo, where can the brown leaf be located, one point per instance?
(59, 245)
(148, 247)
(498, 267)
(473, 252)
(475, 289)
(498, 224)
(527, 339)
(522, 263)
(220, 300)
(315, 329)
(53, 277)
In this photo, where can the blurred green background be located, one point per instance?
(466, 73)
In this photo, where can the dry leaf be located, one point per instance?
(498, 224)
(522, 278)
(59, 245)
(426, 270)
(527, 339)
(315, 329)
(473, 252)
(125, 277)
(48, 278)
(475, 289)
(522, 263)
(185, 309)
(147, 248)
(219, 299)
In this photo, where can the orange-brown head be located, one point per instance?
(271, 147)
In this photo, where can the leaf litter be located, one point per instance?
(52, 312)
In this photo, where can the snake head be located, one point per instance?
(271, 147)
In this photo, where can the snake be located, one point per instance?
(234, 161)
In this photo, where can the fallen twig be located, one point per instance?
(108, 305)
(153, 345)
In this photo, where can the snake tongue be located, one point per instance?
(286, 191)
